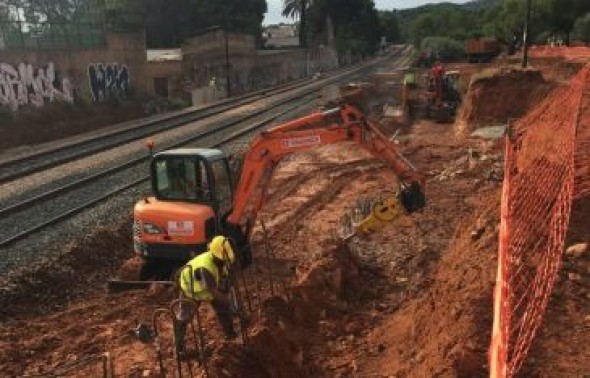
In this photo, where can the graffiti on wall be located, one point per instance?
(24, 85)
(108, 81)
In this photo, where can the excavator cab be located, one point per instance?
(194, 176)
(192, 195)
(442, 94)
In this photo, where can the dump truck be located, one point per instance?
(481, 50)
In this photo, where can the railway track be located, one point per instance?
(19, 220)
(17, 167)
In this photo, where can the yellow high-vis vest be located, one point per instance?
(192, 287)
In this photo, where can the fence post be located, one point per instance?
(498, 347)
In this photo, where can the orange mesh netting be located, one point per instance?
(569, 53)
(582, 155)
(536, 203)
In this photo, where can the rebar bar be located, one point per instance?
(198, 336)
(155, 316)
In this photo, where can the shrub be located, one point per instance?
(444, 48)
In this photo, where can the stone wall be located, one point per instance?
(169, 75)
(37, 77)
(279, 66)
(202, 58)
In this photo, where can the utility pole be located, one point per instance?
(527, 32)
(306, 59)
(303, 28)
(227, 73)
(226, 37)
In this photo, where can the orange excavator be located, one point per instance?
(442, 94)
(194, 196)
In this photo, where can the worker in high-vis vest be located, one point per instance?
(205, 278)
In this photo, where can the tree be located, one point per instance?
(56, 23)
(356, 23)
(294, 8)
(424, 26)
(447, 49)
(582, 28)
(125, 15)
(561, 15)
(169, 22)
(390, 26)
(458, 22)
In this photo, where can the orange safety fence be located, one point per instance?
(583, 150)
(537, 196)
(564, 52)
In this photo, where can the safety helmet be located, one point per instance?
(221, 248)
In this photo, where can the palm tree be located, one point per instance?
(292, 8)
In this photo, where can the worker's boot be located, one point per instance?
(227, 324)
(230, 335)
(225, 319)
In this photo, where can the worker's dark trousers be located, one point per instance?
(187, 312)
(224, 316)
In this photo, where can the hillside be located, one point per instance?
(458, 21)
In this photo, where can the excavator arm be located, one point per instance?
(343, 124)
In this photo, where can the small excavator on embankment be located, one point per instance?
(434, 95)
(442, 95)
(195, 196)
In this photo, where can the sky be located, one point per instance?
(273, 16)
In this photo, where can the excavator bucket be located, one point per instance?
(413, 198)
(383, 211)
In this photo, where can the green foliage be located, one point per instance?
(560, 16)
(53, 24)
(125, 15)
(356, 23)
(447, 49)
(582, 28)
(390, 26)
(170, 21)
(292, 8)
(458, 22)
(502, 19)
(298, 8)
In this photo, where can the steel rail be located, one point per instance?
(122, 188)
(11, 209)
(41, 161)
(15, 208)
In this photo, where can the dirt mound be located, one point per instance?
(496, 96)
(446, 330)
(51, 283)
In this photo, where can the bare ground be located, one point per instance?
(413, 300)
